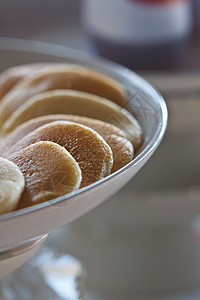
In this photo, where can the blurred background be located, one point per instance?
(161, 35)
(48, 20)
(144, 242)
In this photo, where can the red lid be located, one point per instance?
(156, 1)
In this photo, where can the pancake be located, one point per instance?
(88, 148)
(121, 147)
(10, 77)
(11, 185)
(49, 171)
(64, 76)
(77, 103)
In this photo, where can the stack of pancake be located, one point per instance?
(64, 127)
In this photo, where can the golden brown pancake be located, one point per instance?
(88, 148)
(121, 147)
(11, 185)
(49, 171)
(10, 77)
(64, 76)
(77, 103)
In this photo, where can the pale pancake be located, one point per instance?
(76, 103)
(11, 185)
(49, 170)
(88, 148)
(10, 77)
(64, 76)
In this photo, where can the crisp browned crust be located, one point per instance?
(76, 103)
(88, 148)
(121, 147)
(49, 171)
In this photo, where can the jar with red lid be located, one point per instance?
(140, 34)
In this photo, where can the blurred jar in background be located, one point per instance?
(141, 34)
(196, 12)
